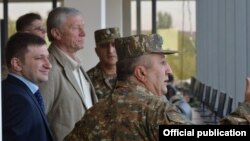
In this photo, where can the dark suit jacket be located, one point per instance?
(23, 119)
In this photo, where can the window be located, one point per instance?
(16, 9)
(176, 23)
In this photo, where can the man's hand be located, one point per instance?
(247, 93)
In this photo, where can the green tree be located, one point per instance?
(183, 64)
(164, 20)
(11, 27)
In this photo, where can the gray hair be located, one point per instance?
(126, 67)
(58, 16)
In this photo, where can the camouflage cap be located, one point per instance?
(156, 40)
(137, 45)
(106, 35)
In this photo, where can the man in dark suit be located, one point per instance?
(30, 23)
(24, 118)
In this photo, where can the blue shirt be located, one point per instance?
(32, 86)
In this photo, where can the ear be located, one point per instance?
(56, 33)
(16, 64)
(140, 73)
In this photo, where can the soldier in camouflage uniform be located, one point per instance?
(171, 95)
(177, 98)
(179, 101)
(103, 75)
(134, 111)
(241, 116)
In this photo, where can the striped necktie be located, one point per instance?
(39, 99)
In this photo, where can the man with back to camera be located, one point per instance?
(177, 99)
(136, 108)
(103, 75)
(171, 95)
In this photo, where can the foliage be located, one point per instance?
(11, 27)
(164, 20)
(183, 64)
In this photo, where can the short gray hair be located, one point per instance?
(126, 67)
(57, 16)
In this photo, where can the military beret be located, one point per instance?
(137, 45)
(106, 35)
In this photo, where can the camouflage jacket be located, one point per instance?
(241, 116)
(184, 107)
(102, 84)
(131, 113)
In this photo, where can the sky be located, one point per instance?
(184, 22)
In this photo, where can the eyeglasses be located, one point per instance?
(40, 28)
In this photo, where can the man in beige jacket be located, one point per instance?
(69, 91)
